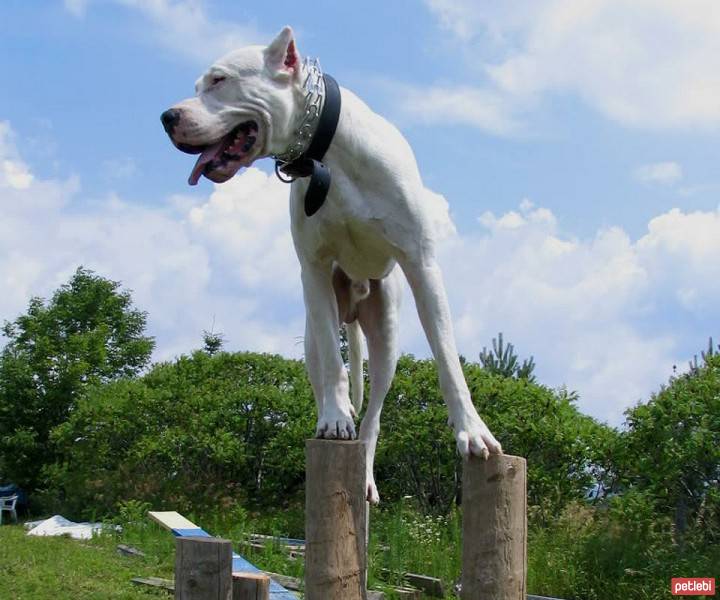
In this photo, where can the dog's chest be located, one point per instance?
(357, 245)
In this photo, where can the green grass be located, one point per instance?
(60, 568)
(404, 541)
(583, 555)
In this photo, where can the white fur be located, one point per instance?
(373, 227)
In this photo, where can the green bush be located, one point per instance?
(417, 456)
(201, 432)
(218, 430)
(624, 551)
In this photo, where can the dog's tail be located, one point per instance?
(355, 343)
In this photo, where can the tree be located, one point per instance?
(671, 449)
(212, 342)
(504, 362)
(694, 366)
(88, 332)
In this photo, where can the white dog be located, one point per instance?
(254, 103)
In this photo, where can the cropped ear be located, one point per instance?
(281, 56)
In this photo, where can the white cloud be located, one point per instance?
(186, 263)
(594, 312)
(664, 173)
(120, 168)
(483, 109)
(14, 173)
(681, 252)
(76, 7)
(185, 28)
(645, 63)
(607, 316)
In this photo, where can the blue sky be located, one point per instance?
(574, 144)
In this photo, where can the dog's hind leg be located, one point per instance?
(378, 316)
(349, 294)
(355, 343)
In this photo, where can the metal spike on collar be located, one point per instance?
(314, 87)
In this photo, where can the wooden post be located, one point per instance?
(336, 520)
(494, 505)
(250, 586)
(203, 569)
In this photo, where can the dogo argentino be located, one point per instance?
(374, 225)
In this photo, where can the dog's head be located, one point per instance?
(244, 109)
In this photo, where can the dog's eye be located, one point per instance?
(219, 79)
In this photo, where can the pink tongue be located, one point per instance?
(207, 155)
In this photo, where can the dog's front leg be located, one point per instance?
(335, 411)
(471, 434)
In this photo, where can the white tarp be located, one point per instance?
(58, 525)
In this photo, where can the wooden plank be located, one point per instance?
(431, 586)
(494, 506)
(291, 554)
(129, 551)
(407, 593)
(171, 520)
(291, 583)
(203, 568)
(156, 582)
(293, 543)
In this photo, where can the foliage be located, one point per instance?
(89, 332)
(213, 342)
(671, 450)
(693, 364)
(218, 430)
(404, 540)
(625, 550)
(416, 453)
(201, 432)
(504, 362)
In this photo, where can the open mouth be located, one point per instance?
(221, 160)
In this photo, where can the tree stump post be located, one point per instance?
(494, 506)
(336, 520)
(250, 586)
(203, 569)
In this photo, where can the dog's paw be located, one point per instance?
(335, 424)
(473, 437)
(371, 489)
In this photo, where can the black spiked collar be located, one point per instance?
(309, 163)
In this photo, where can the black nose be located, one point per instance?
(169, 119)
